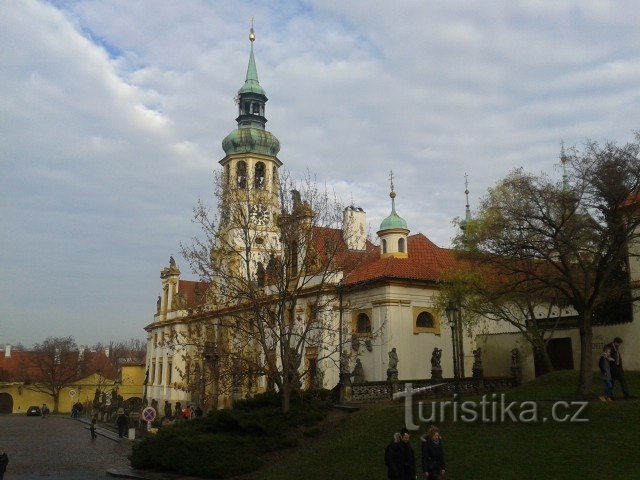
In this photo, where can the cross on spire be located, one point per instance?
(391, 179)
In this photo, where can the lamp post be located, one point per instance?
(453, 315)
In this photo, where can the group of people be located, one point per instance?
(76, 409)
(611, 370)
(401, 462)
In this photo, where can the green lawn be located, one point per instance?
(604, 447)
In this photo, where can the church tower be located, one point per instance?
(250, 188)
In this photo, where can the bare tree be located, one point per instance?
(571, 238)
(273, 262)
(54, 365)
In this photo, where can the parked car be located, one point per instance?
(33, 411)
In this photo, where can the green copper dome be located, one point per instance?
(392, 222)
(251, 140)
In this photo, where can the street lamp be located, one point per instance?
(453, 315)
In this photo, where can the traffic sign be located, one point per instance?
(149, 414)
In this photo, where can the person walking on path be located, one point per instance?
(432, 454)
(92, 428)
(403, 460)
(4, 461)
(604, 364)
(617, 372)
(122, 421)
(388, 453)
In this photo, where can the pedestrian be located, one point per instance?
(389, 452)
(45, 410)
(617, 372)
(433, 454)
(197, 412)
(92, 428)
(4, 461)
(186, 413)
(122, 421)
(403, 460)
(604, 364)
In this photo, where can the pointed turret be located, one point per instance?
(393, 231)
(251, 136)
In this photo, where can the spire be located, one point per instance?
(251, 83)
(563, 161)
(393, 221)
(251, 134)
(392, 194)
(467, 212)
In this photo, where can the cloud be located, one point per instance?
(112, 115)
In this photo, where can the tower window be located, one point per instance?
(247, 106)
(384, 246)
(259, 176)
(401, 245)
(363, 324)
(241, 171)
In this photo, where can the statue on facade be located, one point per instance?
(172, 262)
(158, 303)
(478, 369)
(393, 359)
(355, 342)
(345, 374)
(392, 370)
(436, 368)
(358, 372)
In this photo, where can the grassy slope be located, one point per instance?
(605, 447)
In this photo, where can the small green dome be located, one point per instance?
(251, 140)
(392, 222)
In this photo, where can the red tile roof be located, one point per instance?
(426, 261)
(193, 293)
(31, 366)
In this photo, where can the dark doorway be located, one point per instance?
(561, 355)
(6, 403)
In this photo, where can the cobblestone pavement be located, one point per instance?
(58, 447)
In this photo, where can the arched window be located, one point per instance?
(363, 324)
(401, 245)
(425, 320)
(260, 274)
(241, 175)
(384, 246)
(258, 179)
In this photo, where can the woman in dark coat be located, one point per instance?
(433, 455)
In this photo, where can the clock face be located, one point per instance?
(260, 214)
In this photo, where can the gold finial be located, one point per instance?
(252, 36)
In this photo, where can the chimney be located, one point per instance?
(354, 230)
(7, 351)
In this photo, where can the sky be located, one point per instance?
(112, 115)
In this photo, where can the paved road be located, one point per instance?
(57, 447)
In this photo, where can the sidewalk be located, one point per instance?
(101, 430)
(145, 475)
